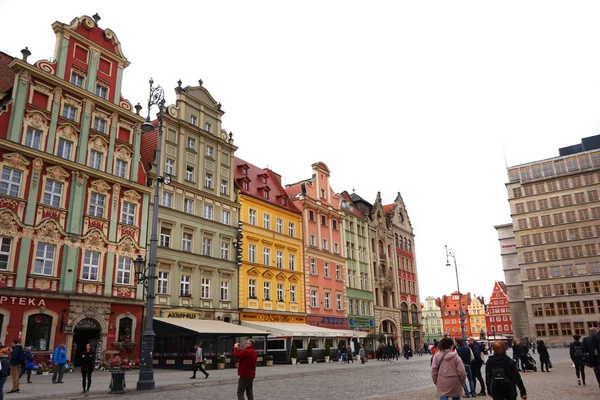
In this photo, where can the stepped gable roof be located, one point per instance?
(261, 181)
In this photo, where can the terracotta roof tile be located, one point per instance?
(7, 76)
(388, 208)
(148, 148)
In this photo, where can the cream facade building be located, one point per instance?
(477, 316)
(432, 321)
(555, 209)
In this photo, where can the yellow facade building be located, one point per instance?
(271, 275)
(477, 316)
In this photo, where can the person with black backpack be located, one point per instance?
(578, 356)
(4, 369)
(502, 376)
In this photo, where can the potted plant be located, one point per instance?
(221, 360)
(382, 338)
(294, 353)
(309, 353)
(269, 358)
(327, 352)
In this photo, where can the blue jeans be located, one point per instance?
(2, 382)
(449, 398)
(470, 379)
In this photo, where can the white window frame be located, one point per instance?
(326, 269)
(165, 239)
(9, 183)
(41, 261)
(5, 254)
(327, 300)
(338, 273)
(101, 91)
(61, 147)
(292, 291)
(205, 288)
(53, 193)
(162, 282)
(280, 289)
(124, 271)
(185, 285)
(292, 262)
(338, 301)
(128, 213)
(194, 120)
(69, 112)
(186, 241)
(206, 246)
(266, 256)
(252, 288)
(225, 217)
(96, 160)
(121, 167)
(99, 125)
(167, 200)
(267, 221)
(208, 180)
(252, 253)
(188, 206)
(91, 266)
(267, 290)
(279, 259)
(224, 290)
(33, 138)
(279, 225)
(191, 143)
(169, 166)
(291, 229)
(208, 211)
(252, 214)
(314, 298)
(313, 266)
(77, 82)
(224, 186)
(225, 250)
(189, 173)
(210, 151)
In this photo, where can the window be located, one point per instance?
(311, 215)
(575, 307)
(540, 329)
(584, 287)
(91, 266)
(327, 298)
(543, 272)
(185, 285)
(11, 182)
(266, 221)
(224, 187)
(546, 290)
(207, 127)
(292, 293)
(101, 91)
(279, 259)
(125, 328)
(558, 219)
(33, 138)
(163, 282)
(314, 299)
(593, 195)
(549, 309)
(121, 169)
(252, 288)
(324, 244)
(39, 328)
(194, 120)
(64, 148)
(291, 229)
(572, 288)
(224, 290)
(280, 292)
(266, 256)
(534, 291)
(579, 329)
(128, 215)
(252, 253)
(313, 266)
(210, 151)
(191, 143)
(537, 310)
(252, 216)
(206, 246)
(69, 112)
(188, 206)
(165, 237)
(334, 224)
(224, 250)
(169, 166)
(326, 270)
(554, 202)
(124, 271)
(590, 249)
(531, 273)
(5, 245)
(53, 193)
(99, 124)
(525, 240)
(588, 307)
(225, 217)
(546, 221)
(208, 211)
(208, 181)
(205, 288)
(338, 272)
(279, 225)
(186, 242)
(44, 259)
(95, 159)
(267, 290)
(559, 289)
(189, 173)
(338, 302)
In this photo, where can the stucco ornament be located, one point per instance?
(95, 242)
(48, 232)
(8, 224)
(38, 164)
(68, 132)
(81, 178)
(16, 160)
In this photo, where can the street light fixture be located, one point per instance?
(147, 276)
(450, 253)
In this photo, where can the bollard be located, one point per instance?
(117, 382)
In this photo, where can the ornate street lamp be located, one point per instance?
(450, 253)
(147, 276)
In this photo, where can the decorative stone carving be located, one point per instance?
(36, 120)
(100, 186)
(72, 102)
(95, 242)
(38, 164)
(89, 106)
(47, 66)
(8, 225)
(124, 154)
(98, 143)
(57, 173)
(42, 88)
(24, 77)
(95, 52)
(68, 132)
(132, 196)
(117, 189)
(16, 160)
(81, 178)
(49, 232)
(114, 118)
(43, 284)
(88, 288)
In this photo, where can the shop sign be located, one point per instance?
(407, 327)
(361, 323)
(334, 321)
(181, 313)
(22, 301)
(68, 329)
(260, 317)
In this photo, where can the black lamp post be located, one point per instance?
(450, 253)
(147, 276)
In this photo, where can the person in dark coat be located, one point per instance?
(28, 366)
(590, 345)
(544, 356)
(502, 376)
(476, 365)
(577, 356)
(17, 359)
(88, 361)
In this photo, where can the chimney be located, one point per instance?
(96, 18)
(26, 53)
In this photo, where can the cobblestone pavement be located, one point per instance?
(374, 380)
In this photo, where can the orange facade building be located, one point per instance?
(451, 313)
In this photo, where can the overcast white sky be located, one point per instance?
(417, 97)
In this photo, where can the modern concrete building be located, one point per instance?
(198, 211)
(555, 210)
(432, 321)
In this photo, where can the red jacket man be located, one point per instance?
(246, 368)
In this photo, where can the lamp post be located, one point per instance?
(147, 276)
(450, 253)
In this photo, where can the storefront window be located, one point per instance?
(404, 312)
(125, 326)
(299, 344)
(38, 332)
(406, 337)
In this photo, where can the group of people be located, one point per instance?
(390, 352)
(586, 353)
(16, 361)
(454, 364)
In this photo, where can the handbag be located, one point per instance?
(550, 363)
(29, 365)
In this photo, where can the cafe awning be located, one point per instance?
(302, 330)
(212, 327)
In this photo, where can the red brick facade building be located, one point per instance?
(498, 319)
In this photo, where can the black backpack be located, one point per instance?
(501, 377)
(5, 371)
(579, 354)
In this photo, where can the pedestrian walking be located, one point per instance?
(88, 362)
(467, 357)
(59, 358)
(349, 355)
(28, 366)
(199, 363)
(246, 369)
(448, 371)
(17, 359)
(578, 357)
(544, 356)
(361, 354)
(591, 346)
(476, 366)
(4, 369)
(502, 375)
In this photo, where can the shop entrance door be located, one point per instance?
(86, 331)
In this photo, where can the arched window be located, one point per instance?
(414, 316)
(396, 235)
(399, 244)
(125, 328)
(404, 312)
(405, 244)
(409, 247)
(39, 327)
